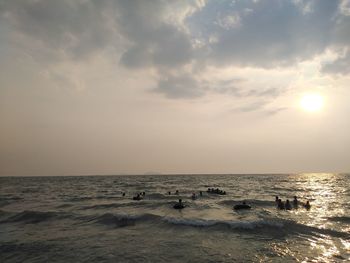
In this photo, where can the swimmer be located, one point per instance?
(193, 196)
(288, 206)
(242, 206)
(307, 205)
(200, 193)
(280, 204)
(138, 197)
(123, 194)
(179, 205)
(276, 199)
(295, 202)
(177, 192)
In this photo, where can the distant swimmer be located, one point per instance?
(200, 193)
(288, 205)
(177, 192)
(307, 205)
(123, 194)
(169, 193)
(276, 199)
(179, 205)
(280, 204)
(295, 202)
(242, 206)
(194, 197)
(138, 197)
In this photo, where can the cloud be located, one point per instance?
(260, 107)
(257, 105)
(178, 41)
(177, 87)
(272, 32)
(339, 66)
(52, 30)
(164, 46)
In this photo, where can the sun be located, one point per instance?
(312, 102)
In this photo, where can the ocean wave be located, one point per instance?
(267, 226)
(120, 220)
(271, 226)
(243, 225)
(33, 217)
(141, 203)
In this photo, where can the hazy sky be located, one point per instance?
(110, 87)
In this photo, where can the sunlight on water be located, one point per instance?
(323, 195)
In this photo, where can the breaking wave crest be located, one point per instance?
(268, 225)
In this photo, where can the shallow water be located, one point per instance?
(75, 219)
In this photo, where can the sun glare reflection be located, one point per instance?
(323, 192)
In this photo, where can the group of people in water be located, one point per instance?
(216, 191)
(289, 205)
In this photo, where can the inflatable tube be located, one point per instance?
(179, 206)
(241, 206)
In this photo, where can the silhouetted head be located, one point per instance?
(295, 197)
(180, 201)
(276, 198)
(287, 201)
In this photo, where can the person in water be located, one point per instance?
(276, 199)
(200, 193)
(194, 196)
(138, 197)
(177, 192)
(242, 206)
(123, 194)
(307, 205)
(295, 202)
(179, 205)
(288, 205)
(280, 204)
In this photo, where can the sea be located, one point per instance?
(87, 218)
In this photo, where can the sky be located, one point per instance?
(93, 87)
